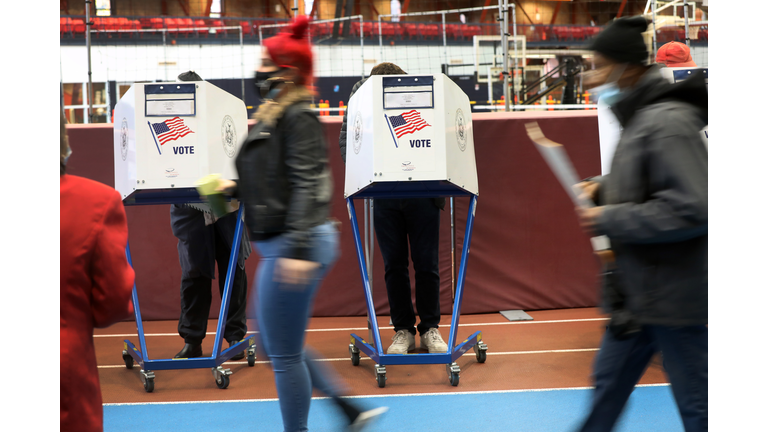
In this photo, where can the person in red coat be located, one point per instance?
(95, 287)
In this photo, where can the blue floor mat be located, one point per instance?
(649, 409)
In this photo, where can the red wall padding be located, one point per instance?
(527, 250)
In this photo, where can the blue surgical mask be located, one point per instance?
(610, 92)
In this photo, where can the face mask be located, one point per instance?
(610, 92)
(263, 82)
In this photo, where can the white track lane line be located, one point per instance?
(365, 328)
(368, 358)
(377, 396)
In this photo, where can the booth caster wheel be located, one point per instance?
(222, 382)
(221, 376)
(454, 379)
(127, 359)
(453, 373)
(381, 375)
(354, 354)
(148, 378)
(251, 356)
(480, 351)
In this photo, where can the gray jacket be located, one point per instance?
(655, 201)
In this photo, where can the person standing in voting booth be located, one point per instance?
(286, 185)
(95, 287)
(397, 223)
(653, 208)
(205, 242)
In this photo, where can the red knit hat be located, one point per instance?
(293, 50)
(675, 54)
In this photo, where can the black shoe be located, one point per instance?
(238, 356)
(190, 351)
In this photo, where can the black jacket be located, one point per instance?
(655, 201)
(284, 179)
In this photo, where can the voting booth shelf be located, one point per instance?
(410, 136)
(166, 137)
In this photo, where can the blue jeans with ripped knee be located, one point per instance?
(283, 312)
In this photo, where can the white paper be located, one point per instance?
(170, 107)
(407, 100)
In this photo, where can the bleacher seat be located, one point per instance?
(200, 25)
(156, 23)
(562, 33)
(78, 26)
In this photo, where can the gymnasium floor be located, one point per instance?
(536, 378)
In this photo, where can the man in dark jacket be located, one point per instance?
(653, 208)
(205, 241)
(399, 222)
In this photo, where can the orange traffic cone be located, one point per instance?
(550, 102)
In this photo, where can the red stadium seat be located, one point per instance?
(171, 24)
(472, 30)
(579, 33)
(156, 23)
(200, 25)
(410, 30)
(78, 26)
(561, 33)
(187, 24)
(247, 27)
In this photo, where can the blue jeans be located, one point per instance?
(283, 312)
(621, 363)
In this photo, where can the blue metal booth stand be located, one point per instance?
(141, 356)
(373, 347)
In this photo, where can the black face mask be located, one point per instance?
(262, 85)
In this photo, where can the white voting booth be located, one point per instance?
(609, 129)
(403, 128)
(410, 136)
(166, 137)
(169, 135)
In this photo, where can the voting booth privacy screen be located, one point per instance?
(408, 128)
(169, 135)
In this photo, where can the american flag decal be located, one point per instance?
(170, 130)
(407, 123)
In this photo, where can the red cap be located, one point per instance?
(293, 50)
(675, 54)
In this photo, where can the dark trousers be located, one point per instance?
(397, 223)
(620, 364)
(200, 248)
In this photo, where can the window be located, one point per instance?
(76, 103)
(216, 9)
(103, 8)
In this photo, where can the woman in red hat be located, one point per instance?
(286, 186)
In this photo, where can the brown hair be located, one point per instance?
(63, 143)
(387, 68)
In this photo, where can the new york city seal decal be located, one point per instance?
(228, 135)
(124, 139)
(357, 141)
(461, 130)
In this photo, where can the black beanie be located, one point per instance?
(622, 40)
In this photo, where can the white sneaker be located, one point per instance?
(403, 341)
(433, 341)
(366, 418)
